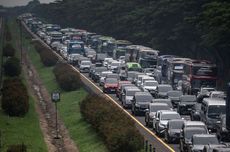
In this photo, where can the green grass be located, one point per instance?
(80, 131)
(16, 130)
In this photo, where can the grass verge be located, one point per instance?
(80, 131)
(18, 130)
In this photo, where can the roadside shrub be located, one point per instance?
(15, 99)
(8, 50)
(47, 56)
(116, 128)
(67, 78)
(17, 148)
(12, 67)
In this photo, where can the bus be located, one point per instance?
(119, 49)
(197, 74)
(147, 57)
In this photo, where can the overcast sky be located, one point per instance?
(10, 3)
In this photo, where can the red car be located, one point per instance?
(120, 83)
(110, 85)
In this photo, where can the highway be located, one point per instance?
(148, 133)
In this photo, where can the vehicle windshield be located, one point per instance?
(111, 80)
(112, 76)
(131, 74)
(176, 124)
(153, 83)
(205, 141)
(156, 108)
(177, 77)
(85, 63)
(115, 64)
(148, 63)
(164, 88)
(170, 116)
(175, 94)
(189, 133)
(104, 74)
(199, 83)
(100, 69)
(188, 98)
(131, 92)
(204, 71)
(215, 111)
(144, 98)
(178, 67)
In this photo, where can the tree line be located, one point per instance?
(196, 29)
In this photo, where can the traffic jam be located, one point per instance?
(173, 96)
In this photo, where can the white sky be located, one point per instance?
(12, 3)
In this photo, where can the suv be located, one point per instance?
(127, 96)
(199, 142)
(174, 95)
(163, 89)
(186, 136)
(173, 129)
(140, 102)
(186, 104)
(151, 111)
(162, 118)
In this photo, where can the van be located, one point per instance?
(211, 110)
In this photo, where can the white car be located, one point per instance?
(85, 66)
(161, 119)
(105, 62)
(103, 76)
(114, 66)
(150, 86)
(63, 51)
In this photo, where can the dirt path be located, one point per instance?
(46, 111)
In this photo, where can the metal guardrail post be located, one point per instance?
(146, 146)
(150, 147)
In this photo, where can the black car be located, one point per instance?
(186, 104)
(222, 132)
(195, 113)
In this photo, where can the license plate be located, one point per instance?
(112, 89)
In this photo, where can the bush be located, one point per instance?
(15, 99)
(67, 78)
(47, 56)
(116, 128)
(12, 67)
(17, 148)
(8, 50)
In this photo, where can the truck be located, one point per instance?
(74, 49)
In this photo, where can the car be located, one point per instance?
(112, 75)
(186, 136)
(120, 93)
(212, 148)
(127, 95)
(222, 132)
(139, 79)
(131, 75)
(140, 102)
(195, 113)
(151, 111)
(91, 70)
(200, 140)
(85, 66)
(106, 60)
(163, 89)
(96, 73)
(173, 129)
(186, 104)
(204, 93)
(114, 66)
(174, 95)
(148, 78)
(162, 118)
(221, 149)
(120, 83)
(149, 71)
(211, 110)
(150, 86)
(103, 76)
(217, 94)
(136, 76)
(110, 85)
(190, 124)
(168, 101)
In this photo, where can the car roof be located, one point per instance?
(204, 135)
(193, 128)
(142, 93)
(164, 85)
(191, 123)
(214, 101)
(159, 99)
(168, 112)
(132, 88)
(158, 104)
(176, 120)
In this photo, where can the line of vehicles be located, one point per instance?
(176, 96)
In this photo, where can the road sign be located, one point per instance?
(55, 96)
